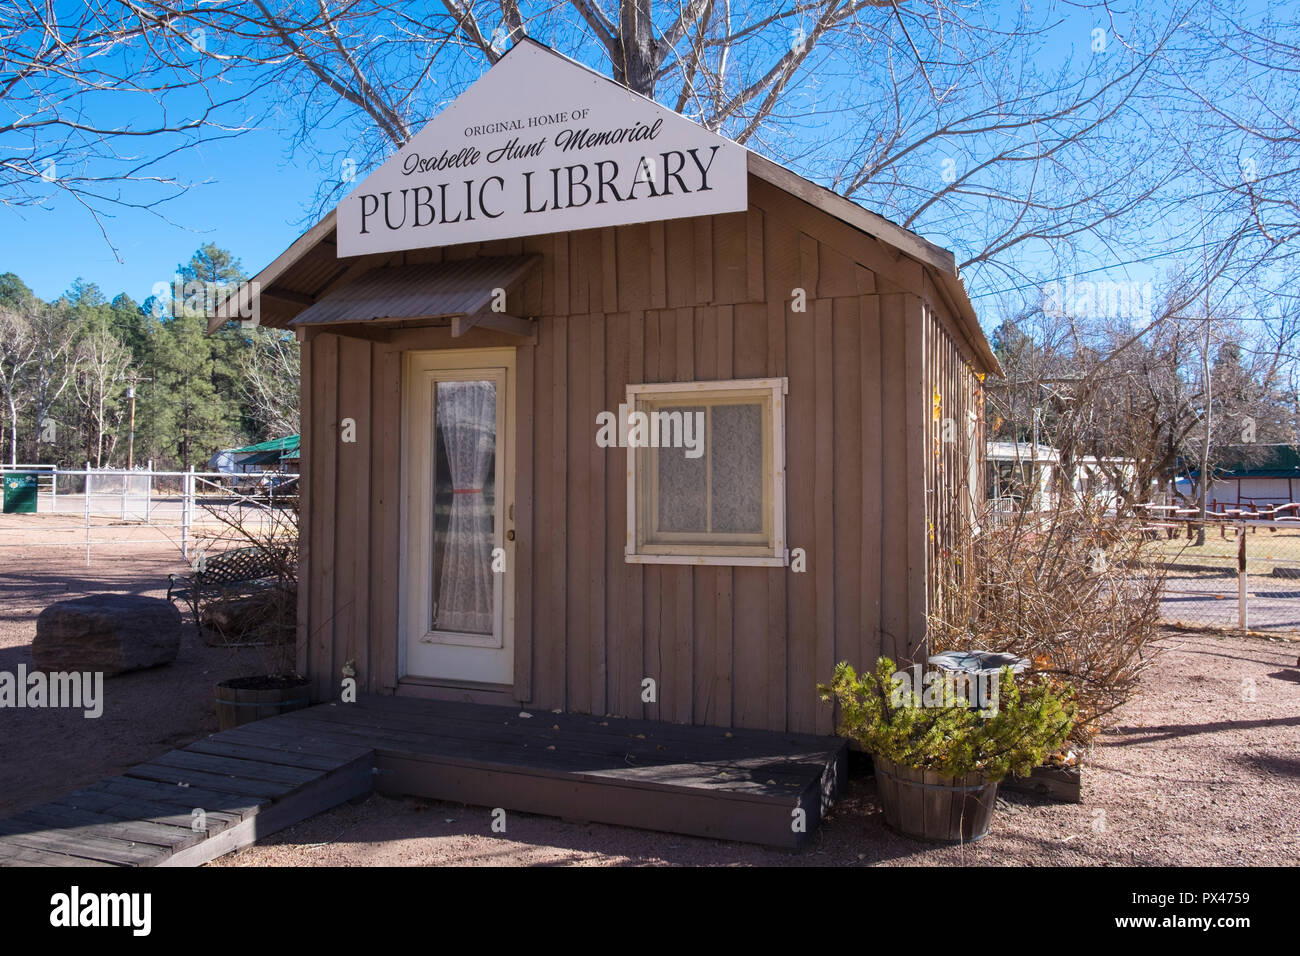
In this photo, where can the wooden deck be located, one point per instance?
(251, 781)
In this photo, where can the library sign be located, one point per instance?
(541, 144)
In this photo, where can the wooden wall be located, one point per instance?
(953, 487)
(695, 299)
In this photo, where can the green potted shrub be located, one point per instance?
(938, 766)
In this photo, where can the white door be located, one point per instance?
(458, 538)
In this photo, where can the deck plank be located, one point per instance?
(244, 769)
(265, 751)
(116, 807)
(494, 722)
(78, 842)
(11, 855)
(221, 783)
(134, 830)
(183, 798)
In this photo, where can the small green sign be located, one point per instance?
(20, 493)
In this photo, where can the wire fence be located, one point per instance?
(1238, 569)
(180, 509)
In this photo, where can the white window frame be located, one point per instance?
(637, 551)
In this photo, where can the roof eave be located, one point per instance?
(243, 298)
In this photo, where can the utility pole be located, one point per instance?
(1209, 413)
(130, 441)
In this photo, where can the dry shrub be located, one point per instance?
(1063, 588)
(263, 613)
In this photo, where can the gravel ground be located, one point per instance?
(1193, 773)
(1202, 769)
(44, 753)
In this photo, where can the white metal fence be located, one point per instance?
(173, 506)
(1239, 569)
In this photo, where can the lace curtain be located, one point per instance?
(466, 427)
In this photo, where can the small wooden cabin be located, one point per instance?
(470, 323)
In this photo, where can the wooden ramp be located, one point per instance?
(753, 786)
(189, 806)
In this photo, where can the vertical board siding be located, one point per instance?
(957, 400)
(871, 562)
(917, 404)
(873, 494)
(352, 603)
(597, 511)
(325, 512)
(848, 382)
(306, 501)
(550, 655)
(525, 532)
(577, 486)
(893, 484)
(385, 523)
(802, 469)
(704, 671)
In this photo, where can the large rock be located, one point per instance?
(111, 633)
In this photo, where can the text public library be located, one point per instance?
(568, 187)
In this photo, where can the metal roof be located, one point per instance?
(433, 290)
(1255, 461)
(288, 443)
(1020, 451)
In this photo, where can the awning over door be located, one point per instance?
(463, 290)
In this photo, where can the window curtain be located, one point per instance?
(466, 416)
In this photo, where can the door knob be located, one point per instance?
(510, 535)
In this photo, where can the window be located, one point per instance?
(706, 472)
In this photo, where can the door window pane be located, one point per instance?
(465, 420)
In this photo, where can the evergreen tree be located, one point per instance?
(191, 419)
(193, 392)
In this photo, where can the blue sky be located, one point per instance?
(253, 206)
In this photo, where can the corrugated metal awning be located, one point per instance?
(434, 290)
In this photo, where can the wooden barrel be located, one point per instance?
(930, 806)
(246, 699)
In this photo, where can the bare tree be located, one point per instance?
(53, 332)
(70, 72)
(102, 364)
(17, 356)
(938, 113)
(270, 370)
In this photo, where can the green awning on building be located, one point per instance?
(283, 447)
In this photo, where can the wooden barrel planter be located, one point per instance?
(930, 806)
(243, 700)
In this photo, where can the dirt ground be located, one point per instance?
(1202, 769)
(44, 753)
